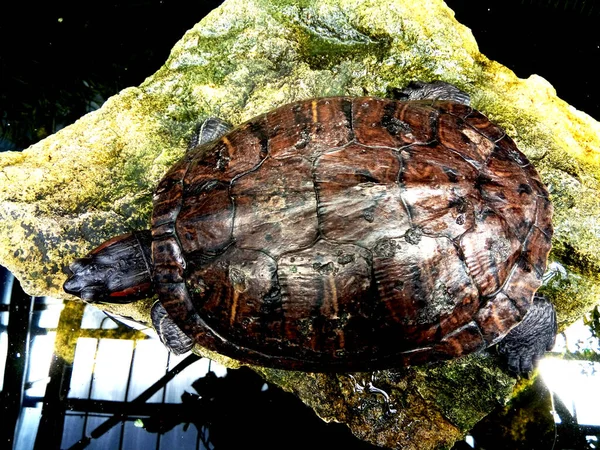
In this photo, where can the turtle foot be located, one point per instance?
(169, 333)
(209, 130)
(525, 344)
(436, 90)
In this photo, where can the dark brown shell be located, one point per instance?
(351, 234)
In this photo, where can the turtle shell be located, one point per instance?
(351, 234)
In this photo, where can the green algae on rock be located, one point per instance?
(427, 408)
(94, 179)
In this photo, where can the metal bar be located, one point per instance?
(129, 409)
(15, 372)
(139, 400)
(61, 369)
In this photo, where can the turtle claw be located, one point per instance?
(526, 344)
(168, 332)
(521, 366)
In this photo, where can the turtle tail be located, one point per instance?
(118, 271)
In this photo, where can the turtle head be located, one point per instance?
(118, 271)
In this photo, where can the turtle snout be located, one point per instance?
(81, 287)
(82, 279)
(73, 284)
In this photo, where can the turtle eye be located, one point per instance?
(78, 265)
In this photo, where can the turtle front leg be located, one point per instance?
(168, 332)
(209, 130)
(525, 344)
(435, 90)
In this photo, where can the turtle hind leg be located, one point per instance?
(525, 344)
(435, 90)
(169, 333)
(209, 130)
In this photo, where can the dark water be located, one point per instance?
(58, 62)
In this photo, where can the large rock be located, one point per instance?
(94, 179)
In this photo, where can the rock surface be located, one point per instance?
(94, 179)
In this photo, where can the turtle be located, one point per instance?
(343, 234)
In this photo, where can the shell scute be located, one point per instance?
(205, 221)
(490, 251)
(522, 285)
(392, 124)
(465, 340)
(456, 109)
(511, 150)
(357, 233)
(483, 125)
(455, 134)
(238, 295)
(437, 190)
(269, 209)
(319, 286)
(422, 285)
(311, 127)
(359, 199)
(167, 196)
(496, 318)
(233, 154)
(168, 259)
(543, 218)
(507, 190)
